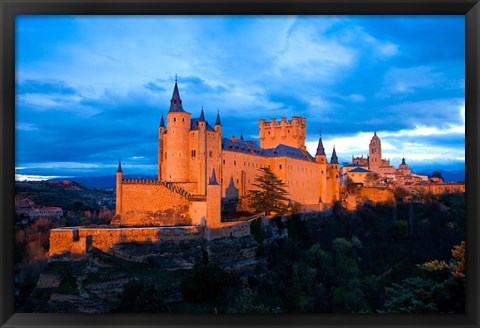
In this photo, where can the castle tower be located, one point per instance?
(334, 176)
(202, 152)
(375, 154)
(321, 159)
(218, 130)
(218, 124)
(291, 133)
(177, 145)
(119, 176)
(214, 194)
(161, 146)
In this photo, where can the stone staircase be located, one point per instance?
(170, 185)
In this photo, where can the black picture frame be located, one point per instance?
(10, 8)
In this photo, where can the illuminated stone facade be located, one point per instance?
(197, 167)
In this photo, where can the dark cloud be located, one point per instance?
(154, 87)
(45, 87)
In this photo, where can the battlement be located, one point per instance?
(290, 133)
(296, 120)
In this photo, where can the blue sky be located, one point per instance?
(92, 89)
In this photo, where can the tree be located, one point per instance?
(270, 195)
(441, 288)
(139, 297)
(372, 178)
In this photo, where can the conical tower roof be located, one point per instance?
(162, 122)
(217, 122)
(119, 167)
(334, 159)
(213, 179)
(202, 116)
(320, 148)
(176, 102)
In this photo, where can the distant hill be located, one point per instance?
(103, 182)
(448, 175)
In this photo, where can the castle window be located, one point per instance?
(244, 164)
(269, 166)
(237, 180)
(183, 119)
(280, 166)
(234, 162)
(165, 155)
(194, 153)
(336, 176)
(223, 161)
(210, 153)
(174, 119)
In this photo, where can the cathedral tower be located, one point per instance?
(375, 154)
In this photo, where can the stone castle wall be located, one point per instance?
(441, 188)
(377, 195)
(64, 241)
(150, 203)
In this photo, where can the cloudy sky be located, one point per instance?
(92, 89)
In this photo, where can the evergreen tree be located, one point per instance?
(270, 195)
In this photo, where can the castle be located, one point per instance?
(198, 167)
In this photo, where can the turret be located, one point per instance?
(334, 176)
(213, 202)
(320, 156)
(177, 145)
(202, 152)
(334, 158)
(321, 159)
(218, 124)
(119, 176)
(161, 146)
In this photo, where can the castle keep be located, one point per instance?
(198, 167)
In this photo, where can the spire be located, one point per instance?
(334, 159)
(119, 170)
(213, 179)
(320, 149)
(202, 116)
(176, 102)
(241, 135)
(162, 122)
(403, 161)
(217, 122)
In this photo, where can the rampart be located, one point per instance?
(377, 195)
(154, 203)
(441, 188)
(67, 241)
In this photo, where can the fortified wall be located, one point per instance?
(151, 202)
(66, 241)
(441, 188)
(78, 240)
